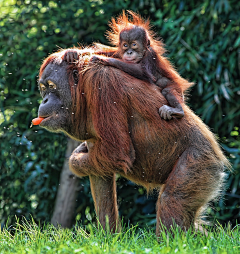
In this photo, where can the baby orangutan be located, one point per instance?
(140, 55)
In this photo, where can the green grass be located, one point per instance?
(29, 238)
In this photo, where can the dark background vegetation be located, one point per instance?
(202, 39)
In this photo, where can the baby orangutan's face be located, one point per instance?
(132, 52)
(133, 44)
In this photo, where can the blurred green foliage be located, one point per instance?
(202, 39)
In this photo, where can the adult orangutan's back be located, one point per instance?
(118, 117)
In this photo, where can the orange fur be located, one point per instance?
(118, 117)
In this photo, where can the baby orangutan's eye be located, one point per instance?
(134, 45)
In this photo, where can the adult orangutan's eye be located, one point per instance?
(42, 87)
(52, 85)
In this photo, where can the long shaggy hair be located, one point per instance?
(111, 98)
(120, 113)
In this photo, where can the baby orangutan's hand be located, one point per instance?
(71, 56)
(98, 59)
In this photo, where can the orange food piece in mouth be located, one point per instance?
(37, 121)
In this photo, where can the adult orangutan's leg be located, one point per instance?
(105, 201)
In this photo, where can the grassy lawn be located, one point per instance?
(29, 238)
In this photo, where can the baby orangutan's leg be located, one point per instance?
(175, 108)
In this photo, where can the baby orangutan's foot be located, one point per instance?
(167, 112)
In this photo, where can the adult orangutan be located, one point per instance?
(117, 117)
